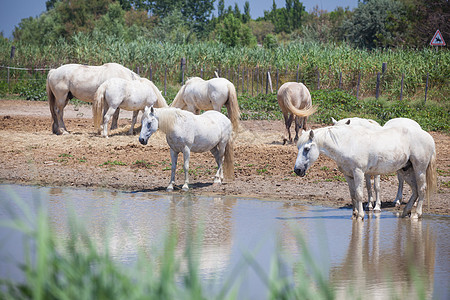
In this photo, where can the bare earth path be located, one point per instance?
(31, 154)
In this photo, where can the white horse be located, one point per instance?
(198, 94)
(81, 82)
(295, 102)
(129, 95)
(371, 124)
(186, 132)
(359, 151)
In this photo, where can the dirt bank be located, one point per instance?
(31, 154)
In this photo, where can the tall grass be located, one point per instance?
(327, 60)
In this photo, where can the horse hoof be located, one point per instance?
(185, 188)
(169, 189)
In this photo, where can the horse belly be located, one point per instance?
(386, 163)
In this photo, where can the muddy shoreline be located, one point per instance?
(32, 155)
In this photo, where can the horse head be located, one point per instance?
(308, 152)
(149, 125)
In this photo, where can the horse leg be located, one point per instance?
(218, 156)
(419, 179)
(298, 120)
(288, 118)
(60, 127)
(133, 122)
(186, 156)
(376, 188)
(106, 117)
(115, 118)
(174, 159)
(369, 205)
(411, 181)
(351, 187)
(398, 198)
(358, 177)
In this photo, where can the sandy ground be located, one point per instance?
(31, 154)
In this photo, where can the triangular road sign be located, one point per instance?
(437, 39)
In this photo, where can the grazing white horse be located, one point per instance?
(368, 123)
(186, 132)
(295, 102)
(360, 151)
(198, 94)
(129, 95)
(81, 82)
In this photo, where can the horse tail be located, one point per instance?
(232, 105)
(98, 105)
(307, 111)
(178, 102)
(431, 175)
(228, 161)
(160, 101)
(52, 102)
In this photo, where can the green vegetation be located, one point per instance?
(113, 163)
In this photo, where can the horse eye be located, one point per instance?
(305, 150)
(149, 124)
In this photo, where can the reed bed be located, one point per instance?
(319, 66)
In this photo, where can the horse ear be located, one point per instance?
(348, 122)
(146, 109)
(151, 109)
(333, 120)
(311, 134)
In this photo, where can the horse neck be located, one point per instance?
(327, 141)
(166, 118)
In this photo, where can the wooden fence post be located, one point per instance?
(151, 73)
(377, 89)
(278, 78)
(340, 80)
(183, 64)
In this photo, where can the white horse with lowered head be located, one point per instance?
(186, 132)
(371, 124)
(117, 93)
(295, 103)
(81, 82)
(360, 151)
(198, 94)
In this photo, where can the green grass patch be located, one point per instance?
(113, 163)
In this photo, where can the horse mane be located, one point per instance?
(168, 117)
(160, 101)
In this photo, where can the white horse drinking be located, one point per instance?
(186, 132)
(81, 82)
(295, 103)
(371, 124)
(360, 151)
(129, 95)
(198, 94)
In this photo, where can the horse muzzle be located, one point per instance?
(300, 172)
(143, 141)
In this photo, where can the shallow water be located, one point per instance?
(370, 258)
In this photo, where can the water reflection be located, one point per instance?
(371, 258)
(125, 229)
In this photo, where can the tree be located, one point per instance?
(375, 23)
(246, 16)
(233, 33)
(221, 9)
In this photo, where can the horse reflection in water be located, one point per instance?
(127, 229)
(366, 266)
